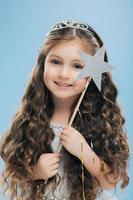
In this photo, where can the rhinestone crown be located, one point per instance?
(71, 24)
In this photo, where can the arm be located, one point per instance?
(93, 165)
(90, 160)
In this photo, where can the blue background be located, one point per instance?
(23, 25)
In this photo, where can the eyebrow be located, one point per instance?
(54, 55)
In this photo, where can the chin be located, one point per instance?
(63, 96)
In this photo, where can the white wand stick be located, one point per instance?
(76, 109)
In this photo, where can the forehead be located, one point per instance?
(69, 48)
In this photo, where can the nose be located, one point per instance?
(64, 72)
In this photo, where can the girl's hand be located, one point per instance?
(71, 140)
(47, 166)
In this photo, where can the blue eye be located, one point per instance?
(78, 66)
(55, 61)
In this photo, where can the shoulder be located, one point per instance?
(107, 194)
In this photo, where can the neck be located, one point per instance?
(62, 110)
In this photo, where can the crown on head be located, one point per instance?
(71, 24)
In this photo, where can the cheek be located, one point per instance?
(46, 77)
(80, 85)
(48, 74)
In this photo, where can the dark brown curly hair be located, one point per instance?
(30, 134)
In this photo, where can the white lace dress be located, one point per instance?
(62, 191)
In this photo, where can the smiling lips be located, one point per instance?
(63, 84)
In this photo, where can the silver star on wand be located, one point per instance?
(94, 66)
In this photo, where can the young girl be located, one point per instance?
(33, 168)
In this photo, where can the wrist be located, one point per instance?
(83, 147)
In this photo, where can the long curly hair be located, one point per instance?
(30, 135)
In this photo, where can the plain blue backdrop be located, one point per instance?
(23, 25)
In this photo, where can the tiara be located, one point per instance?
(71, 24)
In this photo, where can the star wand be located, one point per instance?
(94, 67)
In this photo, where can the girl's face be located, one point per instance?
(62, 65)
